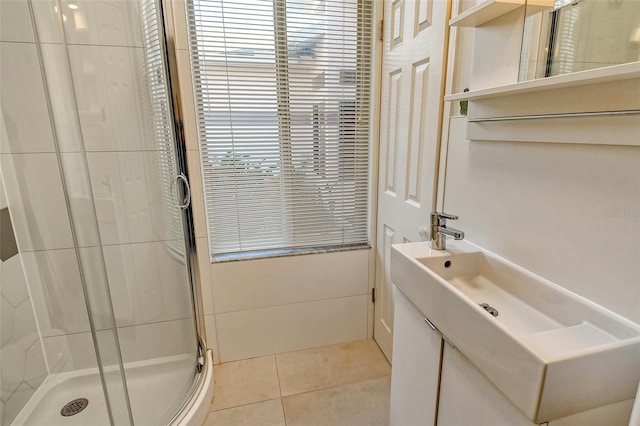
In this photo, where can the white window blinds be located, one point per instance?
(282, 95)
(158, 127)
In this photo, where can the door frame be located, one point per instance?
(374, 150)
(449, 51)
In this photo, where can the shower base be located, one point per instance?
(152, 386)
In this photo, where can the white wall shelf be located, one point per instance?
(582, 78)
(485, 12)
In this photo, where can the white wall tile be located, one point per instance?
(35, 370)
(69, 352)
(47, 19)
(109, 94)
(80, 198)
(157, 340)
(24, 108)
(56, 291)
(25, 331)
(18, 400)
(108, 197)
(12, 281)
(96, 287)
(3, 198)
(276, 281)
(129, 198)
(257, 332)
(174, 281)
(94, 22)
(212, 337)
(103, 22)
(36, 201)
(204, 265)
(147, 284)
(7, 314)
(123, 285)
(107, 344)
(61, 97)
(15, 22)
(145, 202)
(11, 369)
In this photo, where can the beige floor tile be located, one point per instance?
(245, 382)
(266, 413)
(313, 369)
(358, 404)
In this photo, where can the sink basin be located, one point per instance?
(550, 351)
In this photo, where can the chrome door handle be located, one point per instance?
(184, 203)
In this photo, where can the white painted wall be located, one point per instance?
(567, 212)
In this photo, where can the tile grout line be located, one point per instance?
(284, 416)
(241, 405)
(275, 361)
(279, 305)
(337, 386)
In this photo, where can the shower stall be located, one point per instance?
(100, 311)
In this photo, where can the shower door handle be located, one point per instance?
(184, 203)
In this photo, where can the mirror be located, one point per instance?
(578, 35)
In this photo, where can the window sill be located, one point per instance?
(268, 254)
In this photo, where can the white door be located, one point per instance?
(412, 87)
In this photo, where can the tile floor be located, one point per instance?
(346, 384)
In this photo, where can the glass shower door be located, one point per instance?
(107, 90)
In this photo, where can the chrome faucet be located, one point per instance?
(439, 230)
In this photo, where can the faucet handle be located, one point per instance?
(442, 215)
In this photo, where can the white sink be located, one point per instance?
(550, 351)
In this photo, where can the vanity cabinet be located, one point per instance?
(433, 383)
(416, 366)
(467, 397)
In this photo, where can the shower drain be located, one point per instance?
(74, 407)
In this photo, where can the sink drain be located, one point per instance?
(493, 311)
(74, 407)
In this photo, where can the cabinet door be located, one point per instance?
(468, 398)
(416, 366)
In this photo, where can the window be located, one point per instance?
(282, 95)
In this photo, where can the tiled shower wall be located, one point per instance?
(106, 60)
(22, 365)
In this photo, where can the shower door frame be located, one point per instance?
(173, 92)
(169, 67)
(167, 35)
